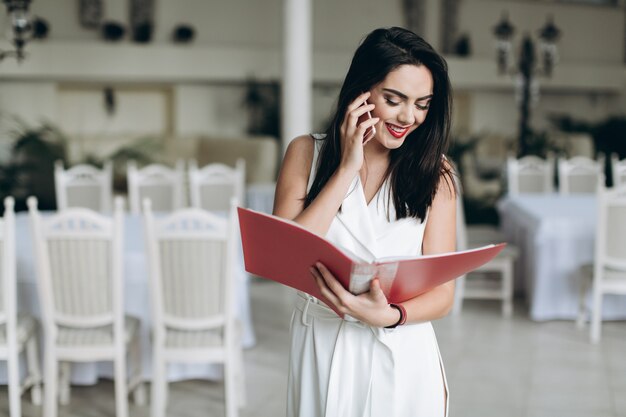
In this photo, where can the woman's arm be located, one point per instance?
(439, 237)
(291, 187)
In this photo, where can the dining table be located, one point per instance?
(555, 234)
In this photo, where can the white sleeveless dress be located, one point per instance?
(340, 368)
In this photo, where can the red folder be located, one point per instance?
(284, 251)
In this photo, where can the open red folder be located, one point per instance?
(284, 251)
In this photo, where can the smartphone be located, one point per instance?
(370, 131)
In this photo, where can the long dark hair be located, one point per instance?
(417, 166)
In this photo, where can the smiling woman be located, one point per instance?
(388, 194)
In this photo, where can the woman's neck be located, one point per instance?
(375, 163)
(376, 154)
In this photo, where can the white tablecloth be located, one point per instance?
(137, 302)
(556, 236)
(260, 197)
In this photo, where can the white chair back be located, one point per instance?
(78, 256)
(164, 186)
(530, 174)
(580, 175)
(84, 186)
(609, 266)
(79, 267)
(618, 169)
(611, 234)
(192, 257)
(17, 334)
(8, 297)
(213, 186)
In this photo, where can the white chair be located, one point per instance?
(84, 186)
(579, 174)
(530, 174)
(80, 285)
(164, 186)
(618, 169)
(17, 333)
(478, 284)
(192, 257)
(608, 275)
(214, 185)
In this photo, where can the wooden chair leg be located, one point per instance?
(15, 388)
(241, 379)
(230, 387)
(596, 315)
(34, 370)
(582, 296)
(65, 369)
(51, 379)
(136, 384)
(158, 390)
(121, 388)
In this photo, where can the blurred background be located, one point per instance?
(158, 81)
(122, 75)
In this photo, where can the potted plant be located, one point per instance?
(30, 169)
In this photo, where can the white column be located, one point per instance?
(297, 86)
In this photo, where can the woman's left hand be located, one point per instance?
(371, 308)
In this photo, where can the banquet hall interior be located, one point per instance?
(129, 127)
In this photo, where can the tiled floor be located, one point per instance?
(495, 367)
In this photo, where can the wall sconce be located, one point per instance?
(20, 27)
(527, 88)
(504, 33)
(548, 36)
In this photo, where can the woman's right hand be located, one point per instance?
(352, 135)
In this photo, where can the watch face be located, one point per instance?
(90, 13)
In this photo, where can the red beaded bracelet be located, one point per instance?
(402, 318)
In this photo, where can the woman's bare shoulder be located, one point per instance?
(299, 153)
(301, 145)
(293, 177)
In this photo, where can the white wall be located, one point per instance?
(590, 33)
(137, 111)
(592, 36)
(216, 108)
(234, 22)
(497, 112)
(209, 109)
(34, 102)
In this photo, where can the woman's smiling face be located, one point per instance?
(402, 100)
